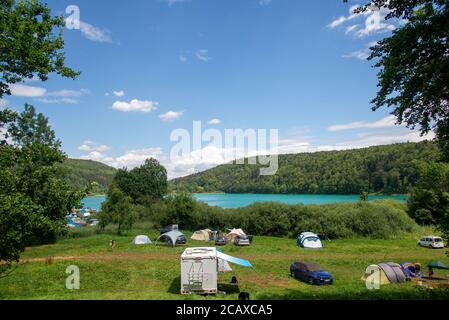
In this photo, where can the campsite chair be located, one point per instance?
(234, 281)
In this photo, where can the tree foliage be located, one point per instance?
(31, 43)
(146, 183)
(381, 169)
(33, 199)
(414, 66)
(117, 209)
(379, 219)
(429, 200)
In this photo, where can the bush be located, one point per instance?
(380, 219)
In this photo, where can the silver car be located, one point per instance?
(242, 241)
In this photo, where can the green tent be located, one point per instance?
(437, 265)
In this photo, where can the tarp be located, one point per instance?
(437, 265)
(240, 262)
(201, 235)
(172, 235)
(142, 239)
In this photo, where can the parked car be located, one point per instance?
(431, 242)
(220, 241)
(181, 240)
(242, 241)
(311, 273)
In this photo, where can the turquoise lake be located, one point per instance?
(243, 200)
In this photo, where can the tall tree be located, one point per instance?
(33, 199)
(145, 183)
(31, 43)
(414, 66)
(117, 209)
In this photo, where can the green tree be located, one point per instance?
(144, 184)
(33, 199)
(181, 208)
(414, 66)
(429, 200)
(31, 43)
(117, 209)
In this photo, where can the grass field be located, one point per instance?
(152, 271)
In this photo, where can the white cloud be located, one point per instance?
(183, 59)
(351, 28)
(58, 101)
(374, 22)
(90, 146)
(22, 90)
(63, 96)
(172, 2)
(68, 93)
(203, 55)
(94, 33)
(120, 93)
(135, 105)
(170, 115)
(361, 54)
(214, 121)
(106, 94)
(129, 159)
(264, 2)
(386, 122)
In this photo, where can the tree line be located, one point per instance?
(391, 169)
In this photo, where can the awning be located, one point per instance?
(241, 262)
(437, 265)
(172, 235)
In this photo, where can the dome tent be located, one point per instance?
(141, 239)
(201, 235)
(384, 273)
(309, 240)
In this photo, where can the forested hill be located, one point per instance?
(80, 173)
(382, 169)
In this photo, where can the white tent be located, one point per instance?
(223, 266)
(201, 235)
(142, 239)
(309, 240)
(234, 233)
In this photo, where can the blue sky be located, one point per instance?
(149, 67)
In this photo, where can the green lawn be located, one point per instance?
(152, 272)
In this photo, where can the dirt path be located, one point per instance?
(110, 256)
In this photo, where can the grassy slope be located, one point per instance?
(79, 173)
(152, 272)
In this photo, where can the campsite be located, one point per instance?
(152, 271)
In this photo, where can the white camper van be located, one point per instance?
(200, 267)
(199, 270)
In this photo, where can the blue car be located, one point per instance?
(311, 273)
